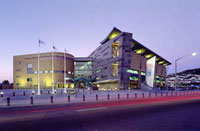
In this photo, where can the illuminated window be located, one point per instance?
(149, 55)
(140, 51)
(133, 78)
(114, 34)
(115, 49)
(115, 69)
(142, 73)
(132, 71)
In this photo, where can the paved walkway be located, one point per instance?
(90, 96)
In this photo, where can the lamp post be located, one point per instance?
(192, 54)
(65, 91)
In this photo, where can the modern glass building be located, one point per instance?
(82, 72)
(83, 67)
(119, 62)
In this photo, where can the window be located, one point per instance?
(115, 49)
(105, 54)
(104, 76)
(29, 65)
(29, 69)
(29, 79)
(18, 62)
(115, 69)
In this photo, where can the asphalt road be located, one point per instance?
(176, 115)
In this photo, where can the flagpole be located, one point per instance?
(65, 91)
(53, 91)
(38, 68)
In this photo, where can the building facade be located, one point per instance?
(82, 72)
(120, 62)
(25, 71)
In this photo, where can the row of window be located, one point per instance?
(83, 72)
(104, 49)
(55, 71)
(100, 70)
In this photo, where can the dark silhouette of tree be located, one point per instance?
(6, 82)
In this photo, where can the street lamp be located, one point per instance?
(192, 54)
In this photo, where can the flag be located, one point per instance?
(41, 42)
(54, 48)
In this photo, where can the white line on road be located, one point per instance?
(91, 109)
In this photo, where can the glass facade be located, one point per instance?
(83, 68)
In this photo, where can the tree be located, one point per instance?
(6, 82)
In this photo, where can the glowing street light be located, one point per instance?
(192, 54)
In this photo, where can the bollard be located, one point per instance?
(48, 91)
(96, 97)
(78, 90)
(31, 100)
(68, 98)
(108, 97)
(135, 95)
(83, 90)
(13, 93)
(51, 99)
(149, 94)
(24, 93)
(161, 94)
(118, 96)
(156, 94)
(8, 101)
(61, 91)
(40, 92)
(127, 96)
(83, 97)
(143, 95)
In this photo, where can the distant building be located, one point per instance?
(25, 71)
(119, 62)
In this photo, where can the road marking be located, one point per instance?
(91, 109)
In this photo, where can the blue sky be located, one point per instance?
(170, 28)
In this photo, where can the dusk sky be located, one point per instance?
(171, 28)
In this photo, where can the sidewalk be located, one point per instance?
(58, 98)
